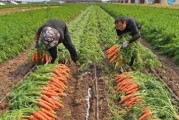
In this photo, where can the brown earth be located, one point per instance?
(169, 72)
(77, 92)
(11, 72)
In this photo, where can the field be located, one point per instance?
(102, 87)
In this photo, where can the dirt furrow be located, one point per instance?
(169, 71)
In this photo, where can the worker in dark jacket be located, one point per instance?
(128, 25)
(52, 33)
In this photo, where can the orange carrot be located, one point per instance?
(146, 114)
(43, 105)
(113, 53)
(45, 115)
(49, 104)
(133, 86)
(32, 117)
(49, 93)
(49, 113)
(58, 104)
(47, 99)
(112, 49)
(132, 91)
(125, 98)
(39, 116)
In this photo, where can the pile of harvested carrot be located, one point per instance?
(114, 56)
(41, 57)
(51, 94)
(126, 84)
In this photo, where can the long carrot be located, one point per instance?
(43, 105)
(45, 115)
(146, 114)
(132, 91)
(32, 117)
(49, 104)
(58, 104)
(47, 99)
(133, 86)
(113, 53)
(49, 113)
(48, 93)
(111, 48)
(39, 116)
(125, 98)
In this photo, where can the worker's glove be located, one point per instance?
(125, 44)
(36, 44)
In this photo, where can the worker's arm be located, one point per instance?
(67, 42)
(134, 32)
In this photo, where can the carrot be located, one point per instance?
(49, 93)
(113, 53)
(33, 57)
(133, 101)
(32, 117)
(49, 113)
(56, 89)
(43, 105)
(132, 91)
(45, 115)
(125, 98)
(133, 86)
(56, 72)
(39, 116)
(49, 104)
(47, 99)
(112, 49)
(123, 87)
(118, 63)
(57, 85)
(58, 104)
(120, 79)
(145, 115)
(113, 59)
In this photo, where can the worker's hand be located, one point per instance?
(36, 44)
(125, 44)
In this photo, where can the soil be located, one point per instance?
(77, 92)
(11, 72)
(169, 72)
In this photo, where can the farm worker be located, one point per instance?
(51, 34)
(128, 25)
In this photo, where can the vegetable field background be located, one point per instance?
(97, 89)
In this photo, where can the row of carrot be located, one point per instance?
(126, 84)
(51, 94)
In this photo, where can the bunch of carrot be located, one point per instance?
(41, 57)
(114, 56)
(51, 94)
(126, 83)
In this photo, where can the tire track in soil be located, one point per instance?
(169, 71)
(75, 105)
